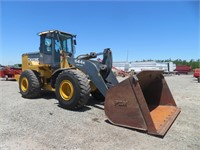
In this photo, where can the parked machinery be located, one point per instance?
(10, 72)
(141, 102)
(196, 74)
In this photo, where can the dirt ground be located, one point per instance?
(42, 124)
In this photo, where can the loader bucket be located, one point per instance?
(143, 102)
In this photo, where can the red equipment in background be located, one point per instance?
(119, 72)
(183, 69)
(9, 72)
(197, 74)
(2, 71)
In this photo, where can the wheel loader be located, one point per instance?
(142, 102)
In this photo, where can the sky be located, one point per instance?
(137, 29)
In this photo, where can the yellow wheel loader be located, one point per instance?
(142, 102)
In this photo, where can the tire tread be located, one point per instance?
(34, 85)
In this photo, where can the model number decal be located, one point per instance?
(78, 61)
(33, 59)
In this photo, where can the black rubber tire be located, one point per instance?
(81, 89)
(198, 79)
(34, 86)
(6, 76)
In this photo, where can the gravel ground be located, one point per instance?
(42, 124)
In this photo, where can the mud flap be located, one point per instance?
(143, 102)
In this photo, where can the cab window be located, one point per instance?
(48, 45)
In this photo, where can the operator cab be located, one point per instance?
(52, 42)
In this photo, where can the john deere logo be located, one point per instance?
(33, 59)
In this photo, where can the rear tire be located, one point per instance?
(29, 84)
(198, 79)
(6, 76)
(72, 89)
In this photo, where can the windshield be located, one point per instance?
(64, 42)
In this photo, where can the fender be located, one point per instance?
(56, 73)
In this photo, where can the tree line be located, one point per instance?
(193, 63)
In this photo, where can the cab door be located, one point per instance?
(57, 52)
(46, 49)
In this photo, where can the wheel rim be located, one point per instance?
(66, 90)
(24, 84)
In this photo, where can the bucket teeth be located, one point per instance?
(143, 102)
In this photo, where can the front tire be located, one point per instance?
(72, 89)
(29, 84)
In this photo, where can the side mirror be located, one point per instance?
(75, 42)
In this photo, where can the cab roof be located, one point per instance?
(51, 31)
